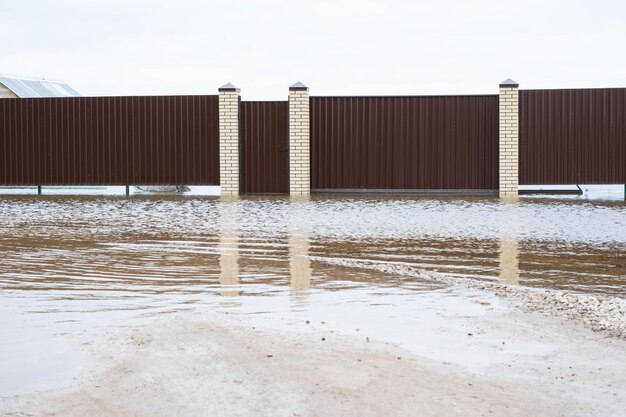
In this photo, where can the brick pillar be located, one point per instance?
(299, 140)
(229, 139)
(509, 138)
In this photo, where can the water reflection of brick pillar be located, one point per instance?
(229, 248)
(299, 245)
(509, 261)
(299, 140)
(509, 139)
(229, 139)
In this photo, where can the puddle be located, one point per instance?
(72, 264)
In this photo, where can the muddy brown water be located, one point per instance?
(98, 260)
(85, 246)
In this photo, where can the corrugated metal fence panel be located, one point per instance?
(445, 142)
(574, 136)
(265, 147)
(163, 140)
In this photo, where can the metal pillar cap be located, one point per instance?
(298, 87)
(228, 87)
(509, 83)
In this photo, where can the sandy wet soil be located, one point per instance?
(187, 365)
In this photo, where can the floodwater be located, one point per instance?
(74, 262)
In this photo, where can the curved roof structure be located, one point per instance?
(37, 87)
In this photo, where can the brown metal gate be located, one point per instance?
(573, 136)
(166, 140)
(264, 147)
(404, 143)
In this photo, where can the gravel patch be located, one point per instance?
(598, 312)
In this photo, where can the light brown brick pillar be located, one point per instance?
(229, 139)
(299, 140)
(509, 139)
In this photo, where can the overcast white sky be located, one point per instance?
(340, 47)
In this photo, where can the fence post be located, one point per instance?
(509, 138)
(299, 140)
(229, 139)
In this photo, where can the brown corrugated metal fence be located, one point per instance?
(573, 136)
(404, 143)
(109, 140)
(264, 147)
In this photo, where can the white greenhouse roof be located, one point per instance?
(34, 87)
